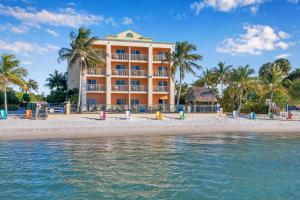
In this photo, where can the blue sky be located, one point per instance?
(238, 32)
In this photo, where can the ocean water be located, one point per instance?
(220, 166)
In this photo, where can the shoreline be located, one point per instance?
(87, 126)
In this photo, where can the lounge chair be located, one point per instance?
(3, 114)
(271, 115)
(28, 114)
(102, 115)
(182, 115)
(159, 116)
(253, 115)
(290, 116)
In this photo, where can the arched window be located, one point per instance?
(129, 35)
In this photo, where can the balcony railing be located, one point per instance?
(159, 57)
(120, 72)
(121, 88)
(138, 88)
(140, 57)
(138, 73)
(119, 56)
(161, 89)
(96, 71)
(95, 87)
(161, 73)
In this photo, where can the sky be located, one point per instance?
(237, 32)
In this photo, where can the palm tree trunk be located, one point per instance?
(5, 96)
(222, 89)
(240, 104)
(80, 90)
(179, 92)
(271, 99)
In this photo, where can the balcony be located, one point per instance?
(138, 88)
(120, 72)
(161, 73)
(138, 57)
(159, 58)
(95, 87)
(138, 73)
(120, 88)
(119, 56)
(96, 71)
(161, 89)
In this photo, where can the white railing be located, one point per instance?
(161, 73)
(141, 57)
(96, 71)
(120, 72)
(161, 89)
(138, 73)
(120, 56)
(95, 87)
(121, 88)
(138, 88)
(159, 57)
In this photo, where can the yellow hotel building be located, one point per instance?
(133, 74)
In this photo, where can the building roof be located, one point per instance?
(198, 94)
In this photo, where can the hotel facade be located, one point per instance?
(133, 75)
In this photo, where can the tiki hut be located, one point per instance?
(200, 95)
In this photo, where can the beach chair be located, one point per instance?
(271, 116)
(159, 116)
(28, 114)
(290, 116)
(127, 115)
(102, 115)
(3, 114)
(253, 115)
(182, 115)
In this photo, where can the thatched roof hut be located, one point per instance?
(201, 95)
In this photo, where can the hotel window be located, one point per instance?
(136, 52)
(119, 67)
(121, 101)
(161, 53)
(135, 82)
(121, 51)
(161, 68)
(91, 101)
(135, 101)
(120, 82)
(135, 67)
(162, 101)
(92, 81)
(162, 83)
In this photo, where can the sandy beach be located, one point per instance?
(88, 125)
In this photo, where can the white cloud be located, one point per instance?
(111, 21)
(254, 9)
(256, 40)
(127, 21)
(225, 5)
(25, 47)
(53, 33)
(283, 35)
(20, 29)
(51, 46)
(63, 17)
(293, 1)
(284, 55)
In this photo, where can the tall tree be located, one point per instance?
(242, 83)
(81, 52)
(208, 79)
(11, 73)
(183, 60)
(57, 81)
(222, 72)
(32, 85)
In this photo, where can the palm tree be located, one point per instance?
(32, 85)
(242, 82)
(273, 76)
(208, 79)
(222, 72)
(81, 52)
(57, 81)
(184, 61)
(11, 73)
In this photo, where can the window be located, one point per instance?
(129, 35)
(120, 66)
(120, 51)
(91, 101)
(121, 101)
(162, 83)
(135, 52)
(161, 68)
(135, 101)
(120, 82)
(92, 82)
(162, 101)
(161, 53)
(135, 82)
(135, 67)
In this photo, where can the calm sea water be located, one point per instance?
(229, 166)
